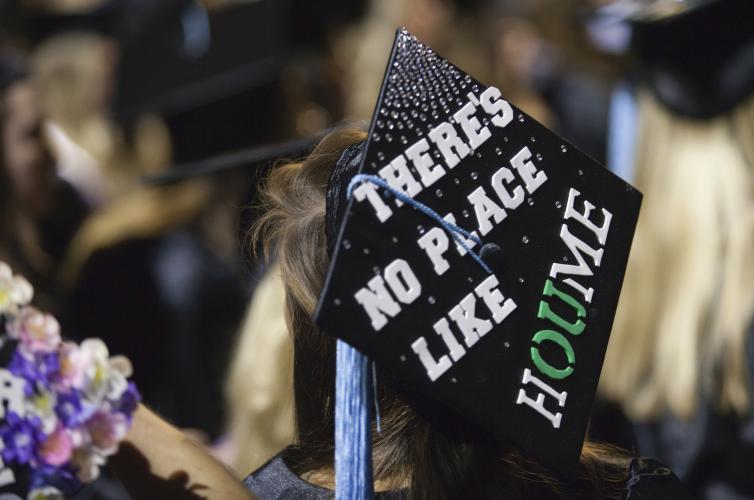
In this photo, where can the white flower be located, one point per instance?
(104, 377)
(80, 437)
(42, 404)
(87, 464)
(94, 359)
(117, 379)
(45, 493)
(15, 291)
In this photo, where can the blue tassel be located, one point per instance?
(452, 229)
(353, 436)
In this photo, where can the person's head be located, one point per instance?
(687, 304)
(27, 169)
(409, 451)
(684, 318)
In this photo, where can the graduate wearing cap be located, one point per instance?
(451, 277)
(680, 359)
(39, 211)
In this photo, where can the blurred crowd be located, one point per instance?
(107, 107)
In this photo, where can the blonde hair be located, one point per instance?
(259, 388)
(682, 321)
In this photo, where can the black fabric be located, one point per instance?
(647, 479)
(172, 306)
(337, 190)
(56, 228)
(712, 452)
(12, 69)
(700, 64)
(275, 481)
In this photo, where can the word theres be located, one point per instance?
(447, 140)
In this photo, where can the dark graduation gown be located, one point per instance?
(647, 480)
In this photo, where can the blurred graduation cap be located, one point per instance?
(477, 258)
(247, 158)
(12, 69)
(697, 56)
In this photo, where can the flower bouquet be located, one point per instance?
(64, 408)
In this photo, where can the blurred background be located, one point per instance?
(129, 154)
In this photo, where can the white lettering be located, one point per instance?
(472, 327)
(532, 177)
(583, 218)
(435, 242)
(446, 138)
(369, 191)
(399, 177)
(11, 393)
(428, 171)
(484, 208)
(493, 104)
(488, 292)
(402, 280)
(510, 202)
(474, 131)
(377, 302)
(434, 368)
(586, 292)
(469, 243)
(442, 327)
(576, 246)
(538, 404)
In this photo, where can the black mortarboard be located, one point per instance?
(510, 335)
(697, 56)
(247, 158)
(699, 63)
(12, 69)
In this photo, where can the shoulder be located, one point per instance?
(276, 481)
(649, 479)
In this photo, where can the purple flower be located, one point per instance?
(21, 437)
(39, 369)
(71, 410)
(106, 431)
(62, 478)
(129, 400)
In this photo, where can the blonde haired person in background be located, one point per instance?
(259, 387)
(680, 357)
(686, 309)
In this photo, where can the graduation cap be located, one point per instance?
(245, 158)
(476, 258)
(12, 70)
(697, 56)
(699, 62)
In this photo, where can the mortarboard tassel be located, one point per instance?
(353, 388)
(353, 438)
(455, 232)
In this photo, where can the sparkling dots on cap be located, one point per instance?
(421, 91)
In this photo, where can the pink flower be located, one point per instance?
(72, 366)
(106, 430)
(38, 332)
(58, 447)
